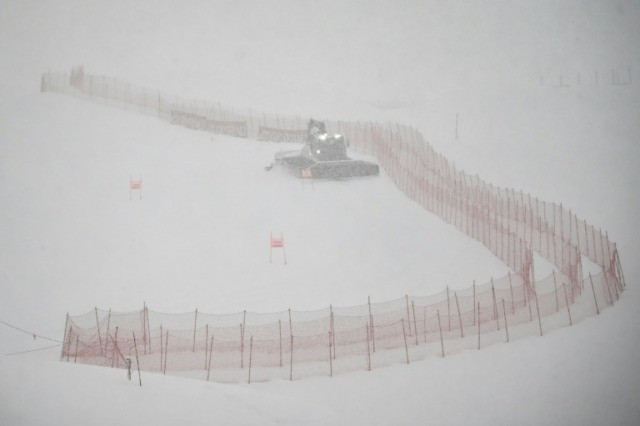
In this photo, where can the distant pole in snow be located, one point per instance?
(457, 125)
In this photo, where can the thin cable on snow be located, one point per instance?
(35, 350)
(30, 332)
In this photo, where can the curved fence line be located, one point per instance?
(512, 225)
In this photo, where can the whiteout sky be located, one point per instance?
(70, 239)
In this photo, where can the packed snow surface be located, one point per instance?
(541, 97)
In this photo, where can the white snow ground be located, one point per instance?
(71, 239)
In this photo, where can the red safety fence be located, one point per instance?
(245, 346)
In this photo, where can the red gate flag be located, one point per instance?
(277, 242)
(135, 184)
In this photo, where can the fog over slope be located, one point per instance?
(546, 97)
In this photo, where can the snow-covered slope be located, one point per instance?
(71, 238)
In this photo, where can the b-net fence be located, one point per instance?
(292, 344)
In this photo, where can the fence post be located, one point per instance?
(415, 324)
(106, 339)
(98, 327)
(455, 294)
(195, 325)
(330, 358)
(280, 334)
(161, 344)
(513, 303)
(210, 356)
(166, 353)
(555, 286)
(566, 298)
(535, 293)
(478, 325)
(448, 309)
(495, 305)
(424, 323)
(116, 348)
(291, 361)
(148, 329)
(368, 349)
(406, 297)
(474, 302)
(137, 359)
(241, 346)
(66, 323)
(206, 340)
(69, 342)
(441, 339)
(404, 334)
(373, 336)
(506, 327)
(250, 357)
(594, 294)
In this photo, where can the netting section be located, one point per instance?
(290, 345)
(246, 346)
